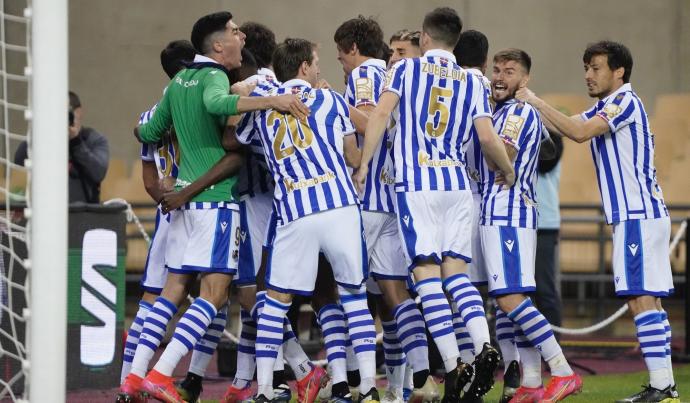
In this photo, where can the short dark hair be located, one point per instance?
(443, 25)
(207, 26)
(74, 101)
(249, 68)
(289, 56)
(261, 41)
(365, 32)
(385, 52)
(471, 49)
(517, 55)
(617, 56)
(175, 55)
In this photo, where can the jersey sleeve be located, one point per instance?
(245, 129)
(346, 126)
(217, 97)
(147, 149)
(520, 124)
(159, 123)
(395, 78)
(619, 111)
(480, 99)
(361, 88)
(589, 113)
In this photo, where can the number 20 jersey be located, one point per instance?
(438, 104)
(305, 157)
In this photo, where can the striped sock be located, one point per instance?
(439, 320)
(362, 333)
(246, 363)
(667, 328)
(269, 338)
(204, 348)
(152, 334)
(412, 335)
(506, 338)
(465, 344)
(394, 356)
(471, 307)
(296, 357)
(652, 338)
(133, 338)
(530, 359)
(190, 329)
(331, 318)
(538, 331)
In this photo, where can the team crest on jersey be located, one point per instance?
(364, 89)
(444, 61)
(528, 202)
(512, 127)
(612, 110)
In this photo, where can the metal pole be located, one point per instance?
(48, 209)
(687, 287)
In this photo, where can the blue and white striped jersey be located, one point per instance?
(438, 104)
(624, 159)
(519, 126)
(165, 153)
(306, 157)
(364, 88)
(255, 177)
(473, 150)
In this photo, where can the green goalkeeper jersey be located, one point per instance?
(197, 103)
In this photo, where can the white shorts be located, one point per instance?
(294, 257)
(155, 272)
(641, 264)
(476, 270)
(204, 240)
(509, 255)
(254, 217)
(386, 255)
(435, 224)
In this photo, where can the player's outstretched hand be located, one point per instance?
(359, 178)
(243, 88)
(173, 200)
(524, 94)
(290, 103)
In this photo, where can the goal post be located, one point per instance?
(48, 201)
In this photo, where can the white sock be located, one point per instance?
(152, 334)
(133, 338)
(465, 344)
(506, 338)
(394, 356)
(667, 328)
(269, 337)
(331, 318)
(296, 357)
(246, 360)
(412, 334)
(439, 320)
(538, 331)
(204, 348)
(190, 329)
(652, 337)
(530, 360)
(362, 333)
(471, 306)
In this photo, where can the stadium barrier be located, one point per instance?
(96, 296)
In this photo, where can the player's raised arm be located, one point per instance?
(575, 129)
